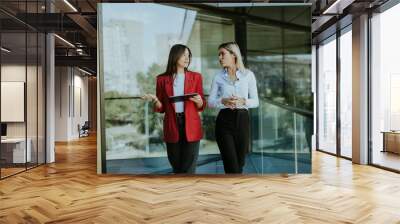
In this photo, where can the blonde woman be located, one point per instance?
(233, 91)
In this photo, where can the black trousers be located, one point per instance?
(183, 155)
(232, 135)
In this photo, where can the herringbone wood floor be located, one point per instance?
(70, 191)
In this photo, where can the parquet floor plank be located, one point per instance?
(70, 191)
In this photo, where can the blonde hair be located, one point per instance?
(234, 49)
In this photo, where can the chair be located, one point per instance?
(84, 130)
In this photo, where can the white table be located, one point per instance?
(19, 155)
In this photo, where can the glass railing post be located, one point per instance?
(295, 143)
(146, 126)
(260, 115)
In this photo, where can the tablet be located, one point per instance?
(181, 98)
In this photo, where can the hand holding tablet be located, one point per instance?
(181, 98)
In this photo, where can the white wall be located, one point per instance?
(13, 73)
(33, 125)
(70, 84)
(79, 117)
(62, 81)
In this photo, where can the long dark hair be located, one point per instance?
(174, 54)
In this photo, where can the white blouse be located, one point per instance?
(179, 85)
(245, 87)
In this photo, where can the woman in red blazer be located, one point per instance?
(182, 123)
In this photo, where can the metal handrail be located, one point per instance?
(303, 112)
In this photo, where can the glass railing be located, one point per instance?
(280, 139)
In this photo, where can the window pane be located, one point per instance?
(41, 98)
(327, 96)
(346, 94)
(31, 101)
(385, 86)
(14, 153)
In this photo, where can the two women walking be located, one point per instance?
(233, 92)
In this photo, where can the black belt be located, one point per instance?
(180, 114)
(235, 110)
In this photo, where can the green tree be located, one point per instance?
(118, 111)
(147, 84)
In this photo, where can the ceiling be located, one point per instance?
(75, 21)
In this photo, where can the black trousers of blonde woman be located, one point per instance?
(232, 135)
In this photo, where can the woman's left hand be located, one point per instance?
(197, 100)
(240, 101)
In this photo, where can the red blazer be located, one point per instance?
(193, 84)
